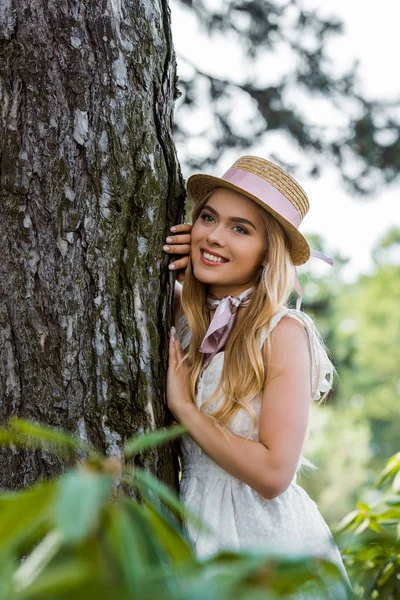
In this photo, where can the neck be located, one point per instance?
(222, 291)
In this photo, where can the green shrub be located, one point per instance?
(83, 535)
(372, 555)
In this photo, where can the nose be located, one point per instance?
(216, 236)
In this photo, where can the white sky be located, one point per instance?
(349, 224)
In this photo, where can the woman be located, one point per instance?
(251, 368)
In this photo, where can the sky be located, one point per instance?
(350, 225)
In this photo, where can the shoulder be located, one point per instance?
(289, 348)
(289, 340)
(285, 327)
(308, 344)
(289, 324)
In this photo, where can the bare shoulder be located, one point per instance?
(289, 329)
(289, 343)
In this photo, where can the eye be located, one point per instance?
(242, 228)
(204, 215)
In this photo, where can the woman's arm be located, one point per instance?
(286, 402)
(268, 465)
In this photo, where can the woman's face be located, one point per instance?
(218, 229)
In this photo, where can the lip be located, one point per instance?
(210, 263)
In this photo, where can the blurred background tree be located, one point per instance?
(283, 78)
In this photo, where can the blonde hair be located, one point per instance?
(245, 370)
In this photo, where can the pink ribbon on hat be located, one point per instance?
(297, 285)
(257, 186)
(226, 307)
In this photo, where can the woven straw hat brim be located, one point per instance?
(200, 185)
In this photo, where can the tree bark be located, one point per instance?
(89, 185)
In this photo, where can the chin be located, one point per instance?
(204, 277)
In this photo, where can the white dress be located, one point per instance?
(235, 512)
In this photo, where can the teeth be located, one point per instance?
(212, 257)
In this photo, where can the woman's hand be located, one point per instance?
(178, 390)
(179, 243)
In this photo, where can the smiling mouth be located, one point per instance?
(207, 261)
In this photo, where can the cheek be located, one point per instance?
(196, 232)
(250, 253)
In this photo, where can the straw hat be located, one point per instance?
(271, 187)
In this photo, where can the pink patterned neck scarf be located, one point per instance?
(222, 322)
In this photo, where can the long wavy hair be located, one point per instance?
(246, 366)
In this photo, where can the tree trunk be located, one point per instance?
(89, 185)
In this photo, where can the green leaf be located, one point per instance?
(386, 573)
(12, 437)
(44, 433)
(271, 571)
(391, 513)
(37, 560)
(125, 544)
(392, 466)
(7, 570)
(69, 576)
(23, 513)
(134, 547)
(375, 526)
(363, 507)
(362, 527)
(394, 501)
(147, 482)
(152, 439)
(150, 548)
(161, 580)
(175, 545)
(396, 483)
(81, 495)
(347, 520)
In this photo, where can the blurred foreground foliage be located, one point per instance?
(372, 556)
(106, 529)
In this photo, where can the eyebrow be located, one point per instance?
(231, 219)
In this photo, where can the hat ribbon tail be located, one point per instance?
(297, 286)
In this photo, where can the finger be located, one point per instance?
(172, 350)
(178, 349)
(181, 263)
(184, 238)
(177, 249)
(181, 227)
